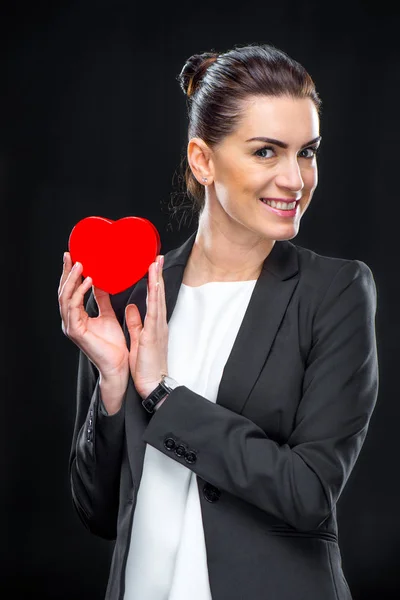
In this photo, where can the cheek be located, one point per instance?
(234, 184)
(240, 176)
(251, 182)
(310, 178)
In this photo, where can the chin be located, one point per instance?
(290, 237)
(283, 233)
(287, 236)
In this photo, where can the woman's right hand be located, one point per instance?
(100, 338)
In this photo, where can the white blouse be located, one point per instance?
(167, 523)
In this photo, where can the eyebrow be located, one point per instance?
(282, 144)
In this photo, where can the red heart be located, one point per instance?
(115, 254)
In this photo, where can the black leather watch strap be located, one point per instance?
(166, 385)
(155, 397)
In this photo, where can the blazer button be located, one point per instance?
(211, 493)
(180, 451)
(169, 443)
(190, 457)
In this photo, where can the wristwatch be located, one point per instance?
(166, 385)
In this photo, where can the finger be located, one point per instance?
(150, 320)
(76, 307)
(69, 287)
(103, 302)
(162, 315)
(67, 265)
(70, 279)
(132, 318)
(162, 308)
(134, 325)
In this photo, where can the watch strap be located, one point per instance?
(159, 393)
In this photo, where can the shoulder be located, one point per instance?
(324, 275)
(315, 267)
(332, 293)
(325, 281)
(313, 263)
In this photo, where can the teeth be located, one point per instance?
(280, 205)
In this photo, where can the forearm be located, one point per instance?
(237, 456)
(301, 480)
(96, 456)
(112, 392)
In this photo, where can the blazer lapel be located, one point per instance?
(266, 309)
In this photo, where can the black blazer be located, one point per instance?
(273, 454)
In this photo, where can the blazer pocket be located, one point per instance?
(319, 535)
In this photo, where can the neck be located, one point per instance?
(224, 253)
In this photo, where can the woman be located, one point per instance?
(221, 480)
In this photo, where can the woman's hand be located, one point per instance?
(100, 338)
(148, 356)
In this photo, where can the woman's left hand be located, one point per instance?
(148, 355)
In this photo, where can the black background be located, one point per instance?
(93, 123)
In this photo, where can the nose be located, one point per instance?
(289, 175)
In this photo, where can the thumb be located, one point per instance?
(134, 325)
(103, 302)
(133, 320)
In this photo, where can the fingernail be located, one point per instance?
(162, 260)
(64, 257)
(157, 266)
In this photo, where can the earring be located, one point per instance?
(205, 179)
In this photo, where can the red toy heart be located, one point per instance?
(115, 254)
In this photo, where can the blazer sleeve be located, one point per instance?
(96, 452)
(300, 481)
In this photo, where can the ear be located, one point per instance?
(199, 158)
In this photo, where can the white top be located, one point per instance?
(167, 524)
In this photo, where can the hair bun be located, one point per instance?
(194, 70)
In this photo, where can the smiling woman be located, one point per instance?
(215, 471)
(244, 169)
(251, 157)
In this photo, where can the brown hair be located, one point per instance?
(217, 84)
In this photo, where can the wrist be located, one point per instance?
(115, 381)
(145, 392)
(112, 392)
(159, 393)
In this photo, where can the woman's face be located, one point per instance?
(271, 156)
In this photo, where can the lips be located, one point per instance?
(280, 212)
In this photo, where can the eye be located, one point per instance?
(309, 152)
(266, 152)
